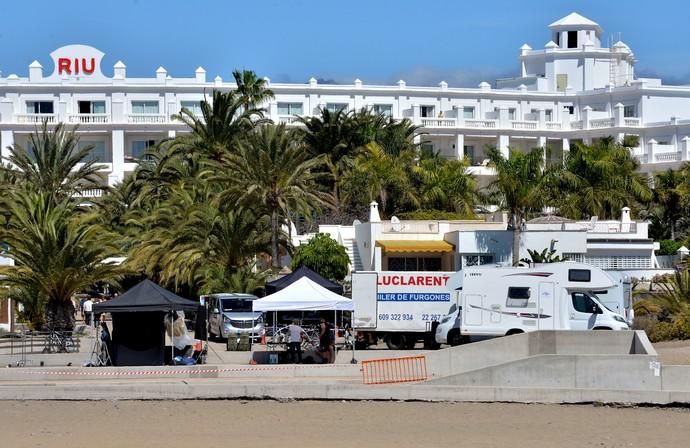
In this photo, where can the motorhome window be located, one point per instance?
(583, 303)
(579, 275)
(236, 305)
(518, 297)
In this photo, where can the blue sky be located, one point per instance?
(423, 42)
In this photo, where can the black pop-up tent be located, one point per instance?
(138, 337)
(303, 271)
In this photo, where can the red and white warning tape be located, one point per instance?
(189, 371)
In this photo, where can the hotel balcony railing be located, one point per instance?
(439, 122)
(147, 119)
(668, 156)
(525, 124)
(89, 118)
(481, 124)
(290, 120)
(631, 122)
(36, 118)
(601, 123)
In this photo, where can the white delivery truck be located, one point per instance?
(556, 296)
(400, 307)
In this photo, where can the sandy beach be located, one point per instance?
(335, 424)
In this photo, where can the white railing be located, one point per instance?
(89, 118)
(525, 124)
(288, 120)
(480, 124)
(146, 119)
(411, 227)
(668, 156)
(576, 124)
(36, 118)
(601, 123)
(438, 122)
(89, 193)
(553, 125)
(631, 122)
(642, 158)
(613, 227)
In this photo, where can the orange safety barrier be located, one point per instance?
(394, 370)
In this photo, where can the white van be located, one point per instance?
(556, 296)
(232, 314)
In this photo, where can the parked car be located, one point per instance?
(231, 314)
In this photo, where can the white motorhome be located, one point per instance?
(619, 298)
(556, 296)
(401, 307)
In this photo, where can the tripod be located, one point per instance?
(100, 355)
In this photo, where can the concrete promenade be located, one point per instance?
(544, 367)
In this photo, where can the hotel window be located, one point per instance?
(427, 148)
(511, 113)
(91, 107)
(39, 107)
(561, 82)
(477, 259)
(145, 107)
(335, 107)
(426, 111)
(548, 115)
(383, 109)
(97, 152)
(194, 107)
(571, 109)
(288, 109)
(468, 112)
(629, 111)
(572, 39)
(414, 263)
(138, 149)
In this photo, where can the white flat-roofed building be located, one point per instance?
(572, 89)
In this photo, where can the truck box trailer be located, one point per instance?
(556, 296)
(401, 307)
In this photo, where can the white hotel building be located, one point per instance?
(572, 89)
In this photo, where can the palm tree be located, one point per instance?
(518, 187)
(57, 252)
(191, 235)
(667, 204)
(54, 163)
(383, 177)
(444, 184)
(223, 122)
(600, 179)
(252, 91)
(673, 295)
(273, 169)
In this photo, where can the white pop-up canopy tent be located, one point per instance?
(303, 295)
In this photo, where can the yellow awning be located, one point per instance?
(392, 246)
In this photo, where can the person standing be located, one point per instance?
(88, 312)
(295, 342)
(326, 342)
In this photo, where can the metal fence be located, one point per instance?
(40, 342)
(394, 370)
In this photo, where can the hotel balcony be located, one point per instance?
(148, 119)
(36, 118)
(88, 119)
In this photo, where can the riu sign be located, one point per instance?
(78, 62)
(76, 66)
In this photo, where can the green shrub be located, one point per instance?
(429, 214)
(668, 247)
(678, 328)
